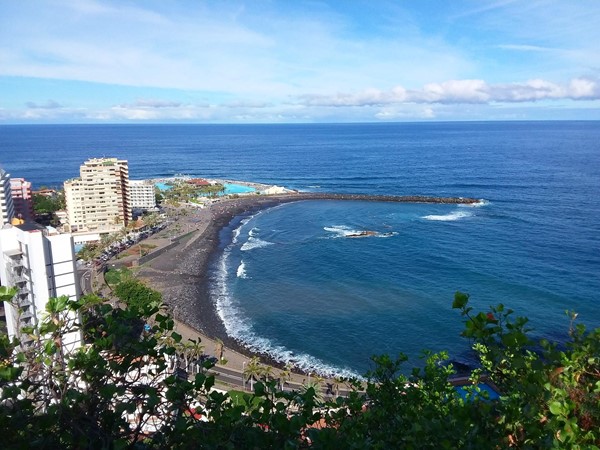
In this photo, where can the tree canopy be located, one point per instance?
(43, 204)
(121, 389)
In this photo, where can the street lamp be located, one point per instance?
(243, 380)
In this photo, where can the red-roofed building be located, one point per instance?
(198, 182)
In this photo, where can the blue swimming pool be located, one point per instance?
(163, 186)
(231, 188)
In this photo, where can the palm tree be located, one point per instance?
(286, 375)
(253, 370)
(337, 382)
(192, 350)
(267, 371)
(314, 384)
(219, 348)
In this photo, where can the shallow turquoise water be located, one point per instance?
(231, 188)
(163, 186)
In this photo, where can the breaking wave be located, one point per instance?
(455, 215)
(241, 270)
(240, 328)
(458, 214)
(482, 202)
(253, 243)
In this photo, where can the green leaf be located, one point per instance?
(6, 293)
(460, 300)
(10, 373)
(556, 408)
(50, 348)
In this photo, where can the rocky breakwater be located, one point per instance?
(387, 198)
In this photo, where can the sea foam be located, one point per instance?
(480, 203)
(241, 270)
(240, 328)
(341, 230)
(253, 243)
(455, 215)
(238, 230)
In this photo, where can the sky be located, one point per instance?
(295, 61)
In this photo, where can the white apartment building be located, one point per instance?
(99, 200)
(142, 194)
(7, 210)
(40, 266)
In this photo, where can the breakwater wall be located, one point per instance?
(384, 198)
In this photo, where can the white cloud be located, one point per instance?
(453, 91)
(395, 113)
(218, 48)
(465, 92)
(151, 103)
(366, 98)
(526, 48)
(584, 88)
(50, 104)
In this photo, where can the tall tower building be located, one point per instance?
(7, 211)
(40, 266)
(98, 201)
(22, 198)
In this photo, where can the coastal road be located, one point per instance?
(234, 379)
(231, 377)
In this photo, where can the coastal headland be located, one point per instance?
(181, 269)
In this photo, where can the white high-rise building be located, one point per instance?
(99, 200)
(142, 194)
(7, 210)
(40, 266)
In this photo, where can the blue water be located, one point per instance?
(293, 285)
(163, 186)
(232, 188)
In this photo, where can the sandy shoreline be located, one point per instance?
(181, 274)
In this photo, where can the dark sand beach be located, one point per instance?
(181, 273)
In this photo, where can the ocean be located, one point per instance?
(291, 282)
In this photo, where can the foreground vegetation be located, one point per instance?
(121, 383)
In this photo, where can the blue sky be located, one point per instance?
(278, 61)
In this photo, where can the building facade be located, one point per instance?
(22, 198)
(7, 211)
(99, 200)
(142, 194)
(40, 266)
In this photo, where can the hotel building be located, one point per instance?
(142, 194)
(22, 199)
(99, 200)
(40, 266)
(7, 211)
